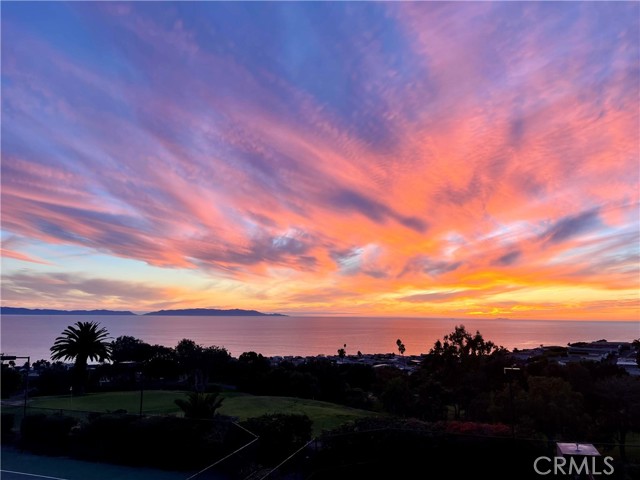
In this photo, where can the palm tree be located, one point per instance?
(199, 405)
(82, 342)
(342, 352)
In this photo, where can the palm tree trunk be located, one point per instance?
(80, 376)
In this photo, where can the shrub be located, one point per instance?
(280, 434)
(373, 448)
(46, 433)
(10, 380)
(8, 421)
(200, 405)
(107, 437)
(164, 442)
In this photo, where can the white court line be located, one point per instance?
(33, 475)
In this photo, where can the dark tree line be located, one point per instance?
(462, 378)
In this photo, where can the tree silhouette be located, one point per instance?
(82, 342)
(130, 349)
(457, 362)
(619, 408)
(189, 356)
(342, 352)
(555, 407)
(397, 397)
(401, 347)
(461, 344)
(199, 405)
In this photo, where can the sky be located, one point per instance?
(393, 159)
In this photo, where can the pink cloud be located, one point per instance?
(492, 158)
(5, 253)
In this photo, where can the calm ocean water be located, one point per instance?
(33, 335)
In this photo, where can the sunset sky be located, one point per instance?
(411, 159)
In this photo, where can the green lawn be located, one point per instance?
(153, 401)
(324, 415)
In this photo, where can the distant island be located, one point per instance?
(214, 312)
(203, 312)
(48, 311)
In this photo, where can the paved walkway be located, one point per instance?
(17, 465)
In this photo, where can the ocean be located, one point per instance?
(33, 335)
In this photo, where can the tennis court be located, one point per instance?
(9, 475)
(17, 465)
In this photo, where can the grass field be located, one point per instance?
(153, 402)
(324, 415)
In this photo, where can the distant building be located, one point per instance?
(600, 351)
(598, 348)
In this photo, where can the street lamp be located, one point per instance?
(26, 384)
(140, 375)
(141, 387)
(510, 372)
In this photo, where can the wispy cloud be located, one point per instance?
(21, 256)
(508, 258)
(433, 297)
(572, 225)
(64, 290)
(375, 149)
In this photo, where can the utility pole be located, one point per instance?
(26, 381)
